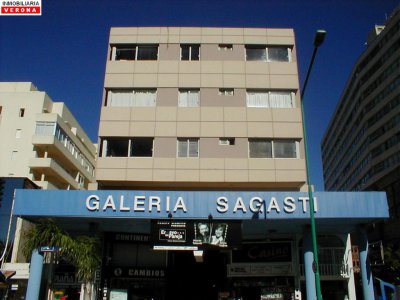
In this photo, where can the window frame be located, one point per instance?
(187, 141)
(189, 91)
(190, 57)
(266, 57)
(268, 94)
(273, 150)
(135, 49)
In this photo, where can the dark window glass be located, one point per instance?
(260, 148)
(125, 54)
(117, 147)
(285, 149)
(278, 54)
(256, 53)
(142, 147)
(148, 52)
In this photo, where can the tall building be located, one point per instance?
(44, 141)
(361, 147)
(201, 108)
(43, 146)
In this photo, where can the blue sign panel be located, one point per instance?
(198, 204)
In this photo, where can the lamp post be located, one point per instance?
(318, 40)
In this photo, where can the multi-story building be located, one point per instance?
(201, 108)
(361, 147)
(43, 146)
(44, 141)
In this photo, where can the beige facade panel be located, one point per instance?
(211, 80)
(254, 39)
(212, 175)
(257, 81)
(209, 39)
(255, 32)
(115, 114)
(284, 82)
(233, 31)
(120, 67)
(167, 97)
(234, 67)
(212, 163)
(123, 39)
(232, 39)
(212, 53)
(211, 31)
(236, 129)
(290, 164)
(280, 40)
(190, 39)
(164, 163)
(165, 129)
(167, 53)
(235, 114)
(165, 147)
(257, 68)
(211, 129)
(237, 175)
(118, 80)
(189, 80)
(146, 67)
(164, 114)
(139, 174)
(164, 175)
(169, 66)
(123, 31)
(149, 31)
(187, 175)
(211, 147)
(287, 130)
(211, 114)
(111, 163)
(188, 129)
(262, 164)
(260, 129)
(144, 80)
(145, 129)
(114, 128)
(189, 67)
(286, 115)
(283, 68)
(191, 31)
(259, 114)
(170, 30)
(262, 176)
(106, 174)
(168, 80)
(285, 32)
(290, 176)
(234, 80)
(189, 114)
(191, 163)
(140, 163)
(237, 163)
(143, 114)
(211, 67)
(147, 39)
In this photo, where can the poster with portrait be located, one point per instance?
(195, 234)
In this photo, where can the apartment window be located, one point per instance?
(268, 53)
(285, 149)
(141, 147)
(270, 99)
(131, 98)
(188, 147)
(189, 98)
(136, 52)
(18, 133)
(227, 141)
(226, 92)
(14, 155)
(260, 148)
(21, 112)
(278, 54)
(190, 52)
(45, 128)
(265, 148)
(225, 47)
(115, 147)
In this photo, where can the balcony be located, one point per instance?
(330, 271)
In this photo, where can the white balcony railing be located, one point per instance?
(330, 270)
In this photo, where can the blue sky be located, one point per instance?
(63, 52)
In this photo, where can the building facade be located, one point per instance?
(361, 147)
(44, 141)
(201, 108)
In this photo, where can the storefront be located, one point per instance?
(212, 245)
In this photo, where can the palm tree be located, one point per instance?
(81, 252)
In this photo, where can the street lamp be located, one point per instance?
(318, 40)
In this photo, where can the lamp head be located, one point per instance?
(319, 37)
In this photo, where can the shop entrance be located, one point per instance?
(188, 279)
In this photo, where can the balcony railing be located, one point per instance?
(330, 270)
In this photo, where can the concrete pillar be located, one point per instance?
(308, 266)
(35, 276)
(366, 274)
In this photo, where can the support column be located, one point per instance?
(308, 265)
(366, 274)
(35, 276)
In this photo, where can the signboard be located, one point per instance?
(263, 252)
(194, 235)
(258, 270)
(138, 272)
